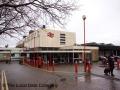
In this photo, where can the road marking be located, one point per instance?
(2, 88)
(4, 84)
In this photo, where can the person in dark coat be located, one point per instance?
(111, 64)
(107, 69)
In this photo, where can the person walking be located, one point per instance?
(111, 64)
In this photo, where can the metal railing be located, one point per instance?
(4, 84)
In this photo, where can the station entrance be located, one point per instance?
(46, 59)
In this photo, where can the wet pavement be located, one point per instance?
(24, 77)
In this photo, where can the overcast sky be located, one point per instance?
(102, 22)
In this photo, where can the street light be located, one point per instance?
(84, 59)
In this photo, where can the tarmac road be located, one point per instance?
(22, 77)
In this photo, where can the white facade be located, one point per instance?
(46, 41)
(49, 38)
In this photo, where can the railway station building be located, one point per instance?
(56, 45)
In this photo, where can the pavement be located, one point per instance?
(25, 77)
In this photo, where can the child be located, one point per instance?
(107, 69)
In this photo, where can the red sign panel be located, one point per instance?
(49, 34)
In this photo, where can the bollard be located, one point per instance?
(39, 62)
(30, 62)
(76, 70)
(26, 61)
(89, 67)
(34, 62)
(48, 65)
(76, 67)
(43, 63)
(85, 66)
(53, 65)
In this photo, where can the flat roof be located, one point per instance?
(58, 51)
(79, 47)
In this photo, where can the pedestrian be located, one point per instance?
(111, 64)
(107, 69)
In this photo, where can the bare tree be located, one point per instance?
(17, 15)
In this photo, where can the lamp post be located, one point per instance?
(84, 17)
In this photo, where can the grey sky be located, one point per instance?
(102, 23)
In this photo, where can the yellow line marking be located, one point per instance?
(2, 88)
(4, 84)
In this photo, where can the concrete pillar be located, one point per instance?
(73, 56)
